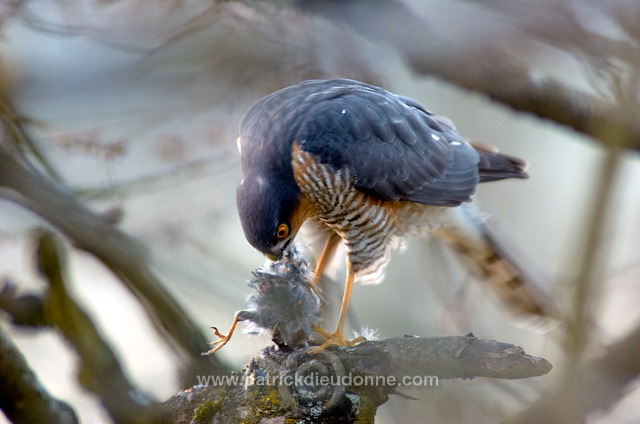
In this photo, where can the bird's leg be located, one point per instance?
(344, 307)
(326, 254)
(224, 338)
(337, 337)
(327, 251)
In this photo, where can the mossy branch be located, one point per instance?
(99, 370)
(345, 385)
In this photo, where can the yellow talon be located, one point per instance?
(223, 339)
(324, 333)
(334, 339)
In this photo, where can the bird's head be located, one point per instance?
(267, 207)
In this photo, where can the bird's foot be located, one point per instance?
(223, 339)
(333, 339)
(323, 333)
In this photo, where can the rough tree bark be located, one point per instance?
(346, 385)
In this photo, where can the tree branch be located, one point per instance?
(346, 385)
(99, 370)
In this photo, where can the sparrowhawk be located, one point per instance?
(370, 167)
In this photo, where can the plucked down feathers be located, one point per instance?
(284, 301)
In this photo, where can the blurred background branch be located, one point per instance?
(123, 255)
(99, 370)
(22, 397)
(479, 64)
(596, 385)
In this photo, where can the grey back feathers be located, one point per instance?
(395, 148)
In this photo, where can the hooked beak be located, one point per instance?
(271, 256)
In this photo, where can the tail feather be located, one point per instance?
(495, 166)
(487, 260)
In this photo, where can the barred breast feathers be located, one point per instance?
(369, 227)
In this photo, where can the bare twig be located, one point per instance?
(173, 176)
(460, 357)
(14, 124)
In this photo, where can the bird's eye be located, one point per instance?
(283, 231)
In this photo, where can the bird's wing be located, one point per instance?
(396, 149)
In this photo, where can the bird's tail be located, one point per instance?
(487, 259)
(494, 166)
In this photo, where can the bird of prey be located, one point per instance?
(370, 168)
